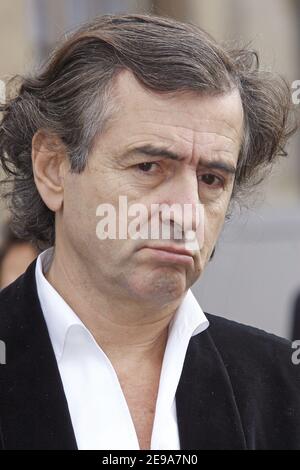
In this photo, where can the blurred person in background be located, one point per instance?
(15, 256)
(155, 110)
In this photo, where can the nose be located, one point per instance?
(182, 197)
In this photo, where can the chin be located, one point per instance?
(165, 286)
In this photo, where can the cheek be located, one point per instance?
(79, 211)
(213, 222)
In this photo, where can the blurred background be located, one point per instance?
(254, 277)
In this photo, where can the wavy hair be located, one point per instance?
(72, 97)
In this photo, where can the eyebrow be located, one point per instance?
(158, 151)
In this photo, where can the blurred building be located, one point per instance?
(256, 271)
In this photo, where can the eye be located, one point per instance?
(145, 167)
(212, 180)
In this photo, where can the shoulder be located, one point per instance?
(253, 355)
(264, 379)
(12, 295)
(18, 306)
(233, 334)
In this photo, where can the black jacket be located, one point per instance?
(238, 390)
(296, 319)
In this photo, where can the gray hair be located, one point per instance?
(71, 97)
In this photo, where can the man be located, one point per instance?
(106, 346)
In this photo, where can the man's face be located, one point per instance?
(205, 133)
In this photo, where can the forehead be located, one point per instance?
(183, 119)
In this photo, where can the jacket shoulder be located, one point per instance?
(11, 297)
(260, 361)
(232, 333)
(265, 382)
(18, 301)
(241, 345)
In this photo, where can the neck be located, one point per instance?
(121, 330)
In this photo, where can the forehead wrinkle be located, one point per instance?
(229, 126)
(193, 133)
(186, 150)
(194, 142)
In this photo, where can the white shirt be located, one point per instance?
(99, 413)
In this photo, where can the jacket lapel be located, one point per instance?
(34, 410)
(207, 413)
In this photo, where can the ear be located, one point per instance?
(49, 164)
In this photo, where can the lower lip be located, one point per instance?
(169, 256)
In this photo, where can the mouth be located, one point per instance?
(170, 253)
